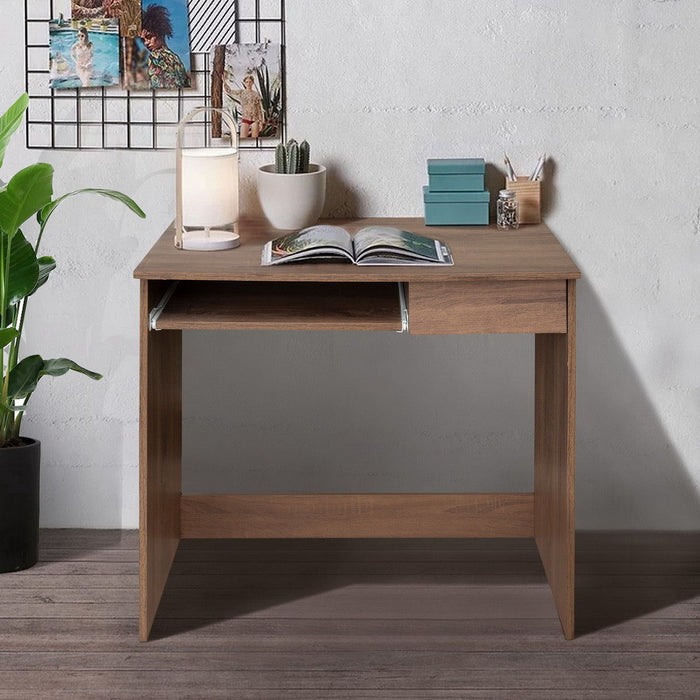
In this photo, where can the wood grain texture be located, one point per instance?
(284, 306)
(480, 252)
(357, 515)
(527, 193)
(366, 618)
(217, 88)
(160, 431)
(531, 264)
(555, 438)
(486, 306)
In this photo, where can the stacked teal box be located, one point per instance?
(456, 174)
(455, 194)
(456, 208)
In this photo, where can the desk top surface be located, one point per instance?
(480, 252)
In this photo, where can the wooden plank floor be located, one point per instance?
(353, 619)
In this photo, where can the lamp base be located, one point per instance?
(209, 239)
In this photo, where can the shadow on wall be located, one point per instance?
(549, 192)
(628, 473)
(494, 181)
(341, 199)
(356, 412)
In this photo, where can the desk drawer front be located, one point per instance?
(487, 306)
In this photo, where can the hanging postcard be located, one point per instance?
(247, 81)
(83, 53)
(128, 12)
(160, 56)
(210, 26)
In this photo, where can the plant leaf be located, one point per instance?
(46, 264)
(26, 375)
(8, 318)
(46, 211)
(24, 270)
(14, 409)
(61, 365)
(26, 193)
(7, 335)
(9, 123)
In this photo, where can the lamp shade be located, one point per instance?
(206, 190)
(209, 186)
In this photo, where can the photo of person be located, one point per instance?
(252, 118)
(246, 81)
(160, 57)
(83, 53)
(128, 12)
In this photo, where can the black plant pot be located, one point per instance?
(19, 506)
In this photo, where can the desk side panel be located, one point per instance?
(160, 420)
(555, 405)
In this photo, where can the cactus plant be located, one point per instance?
(292, 158)
(304, 150)
(280, 158)
(293, 153)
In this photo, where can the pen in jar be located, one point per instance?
(509, 169)
(538, 168)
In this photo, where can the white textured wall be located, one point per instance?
(609, 89)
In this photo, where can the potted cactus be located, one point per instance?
(292, 190)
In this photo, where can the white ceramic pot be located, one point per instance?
(292, 201)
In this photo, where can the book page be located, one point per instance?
(376, 239)
(315, 241)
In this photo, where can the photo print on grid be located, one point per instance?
(83, 53)
(247, 81)
(128, 12)
(159, 58)
(211, 24)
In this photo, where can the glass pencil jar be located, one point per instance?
(507, 210)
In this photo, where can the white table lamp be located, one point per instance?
(206, 184)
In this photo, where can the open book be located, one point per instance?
(372, 245)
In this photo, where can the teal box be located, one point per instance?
(456, 208)
(456, 174)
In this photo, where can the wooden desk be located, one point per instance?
(502, 282)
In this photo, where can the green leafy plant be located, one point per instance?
(292, 157)
(271, 96)
(29, 193)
